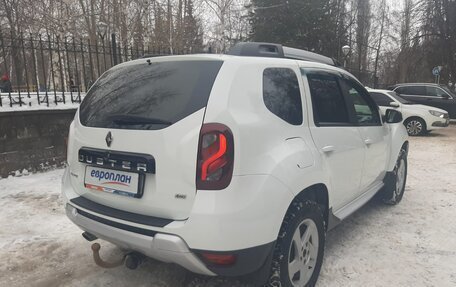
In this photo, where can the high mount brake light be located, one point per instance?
(215, 157)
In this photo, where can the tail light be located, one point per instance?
(219, 259)
(215, 157)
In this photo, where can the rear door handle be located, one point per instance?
(368, 142)
(328, 149)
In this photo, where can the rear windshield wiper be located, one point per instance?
(137, 120)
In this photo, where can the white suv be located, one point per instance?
(418, 119)
(230, 164)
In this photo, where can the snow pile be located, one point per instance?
(31, 103)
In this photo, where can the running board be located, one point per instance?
(353, 206)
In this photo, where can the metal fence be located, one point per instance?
(54, 69)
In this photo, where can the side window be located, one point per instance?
(412, 90)
(381, 99)
(327, 99)
(436, 92)
(366, 111)
(281, 94)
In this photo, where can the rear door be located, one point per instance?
(373, 133)
(135, 139)
(416, 94)
(335, 135)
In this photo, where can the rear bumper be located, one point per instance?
(220, 223)
(170, 248)
(163, 247)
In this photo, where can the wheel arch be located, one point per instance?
(398, 140)
(319, 194)
(405, 146)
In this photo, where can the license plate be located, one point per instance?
(112, 181)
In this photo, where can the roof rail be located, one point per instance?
(154, 55)
(258, 49)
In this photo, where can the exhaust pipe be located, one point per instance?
(89, 236)
(131, 260)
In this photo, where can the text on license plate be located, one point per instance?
(112, 181)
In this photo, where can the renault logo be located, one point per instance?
(109, 139)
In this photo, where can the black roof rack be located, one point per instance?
(258, 49)
(154, 55)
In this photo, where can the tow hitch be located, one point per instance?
(131, 260)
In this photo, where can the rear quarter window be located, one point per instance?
(147, 96)
(281, 94)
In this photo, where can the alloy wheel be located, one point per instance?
(414, 127)
(303, 253)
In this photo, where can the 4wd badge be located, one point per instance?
(109, 139)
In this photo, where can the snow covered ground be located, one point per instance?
(412, 244)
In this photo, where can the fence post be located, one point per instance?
(104, 54)
(44, 73)
(78, 79)
(91, 66)
(25, 65)
(83, 64)
(13, 50)
(52, 69)
(35, 76)
(70, 79)
(4, 62)
(62, 77)
(98, 58)
(114, 48)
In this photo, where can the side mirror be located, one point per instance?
(445, 96)
(394, 105)
(393, 116)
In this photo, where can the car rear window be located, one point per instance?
(149, 96)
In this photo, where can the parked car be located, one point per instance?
(232, 165)
(418, 119)
(434, 95)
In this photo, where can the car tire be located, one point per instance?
(300, 247)
(394, 189)
(415, 126)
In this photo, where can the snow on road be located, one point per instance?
(412, 244)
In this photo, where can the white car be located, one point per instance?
(232, 165)
(418, 119)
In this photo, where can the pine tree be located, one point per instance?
(307, 24)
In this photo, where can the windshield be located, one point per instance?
(399, 98)
(149, 96)
(448, 90)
